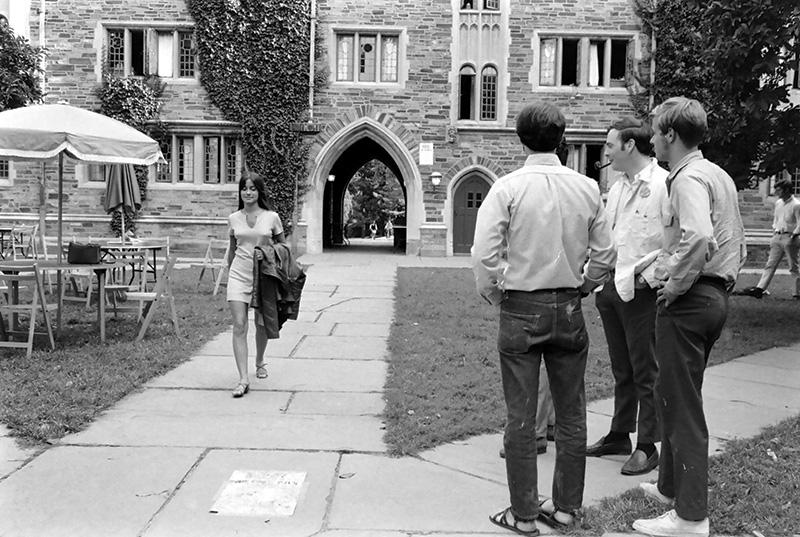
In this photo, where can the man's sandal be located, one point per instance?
(261, 372)
(502, 519)
(549, 517)
(240, 390)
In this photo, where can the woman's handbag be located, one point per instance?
(83, 254)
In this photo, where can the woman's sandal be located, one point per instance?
(241, 389)
(501, 519)
(261, 372)
(550, 519)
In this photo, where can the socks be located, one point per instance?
(648, 449)
(614, 436)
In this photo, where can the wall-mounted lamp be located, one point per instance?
(436, 179)
(331, 178)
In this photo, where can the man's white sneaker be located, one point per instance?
(651, 491)
(671, 525)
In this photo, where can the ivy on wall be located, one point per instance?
(254, 64)
(135, 102)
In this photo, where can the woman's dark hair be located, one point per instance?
(631, 128)
(540, 126)
(260, 185)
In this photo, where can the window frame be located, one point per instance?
(199, 174)
(379, 33)
(8, 179)
(585, 40)
(151, 31)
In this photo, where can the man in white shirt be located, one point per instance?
(704, 249)
(785, 240)
(549, 217)
(627, 303)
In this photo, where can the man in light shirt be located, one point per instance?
(550, 217)
(627, 303)
(703, 251)
(785, 240)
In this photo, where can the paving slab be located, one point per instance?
(337, 404)
(780, 357)
(738, 419)
(190, 418)
(12, 455)
(285, 374)
(377, 306)
(383, 290)
(222, 346)
(69, 491)
(773, 376)
(343, 317)
(345, 347)
(743, 391)
(361, 329)
(411, 495)
(187, 513)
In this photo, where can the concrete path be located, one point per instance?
(154, 464)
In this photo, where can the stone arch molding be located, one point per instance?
(330, 146)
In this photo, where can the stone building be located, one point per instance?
(429, 89)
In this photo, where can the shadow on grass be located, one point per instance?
(56, 393)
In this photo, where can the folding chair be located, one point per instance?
(23, 241)
(24, 282)
(215, 259)
(160, 293)
(122, 283)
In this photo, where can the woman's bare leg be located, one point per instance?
(239, 314)
(261, 344)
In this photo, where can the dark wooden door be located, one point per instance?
(468, 197)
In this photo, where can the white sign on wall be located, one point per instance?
(426, 154)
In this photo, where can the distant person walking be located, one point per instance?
(387, 229)
(252, 225)
(538, 286)
(785, 240)
(703, 251)
(627, 302)
(373, 230)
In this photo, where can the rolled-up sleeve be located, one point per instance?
(491, 228)
(691, 202)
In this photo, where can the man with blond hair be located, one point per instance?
(703, 251)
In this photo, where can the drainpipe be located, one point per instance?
(42, 180)
(311, 53)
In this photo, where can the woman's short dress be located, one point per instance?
(240, 275)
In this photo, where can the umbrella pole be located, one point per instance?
(60, 240)
(122, 221)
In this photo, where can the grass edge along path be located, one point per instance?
(56, 393)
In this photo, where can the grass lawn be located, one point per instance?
(444, 385)
(56, 393)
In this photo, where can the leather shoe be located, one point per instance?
(601, 447)
(639, 463)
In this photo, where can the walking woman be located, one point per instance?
(252, 225)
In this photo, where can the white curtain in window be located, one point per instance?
(389, 59)
(547, 63)
(165, 54)
(344, 58)
(594, 65)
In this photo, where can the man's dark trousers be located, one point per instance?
(630, 329)
(545, 325)
(685, 332)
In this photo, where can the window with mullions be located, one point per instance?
(469, 107)
(584, 61)
(219, 162)
(796, 181)
(167, 53)
(367, 57)
(5, 170)
(474, 200)
(490, 5)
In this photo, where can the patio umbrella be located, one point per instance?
(46, 131)
(122, 190)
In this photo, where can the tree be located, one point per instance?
(20, 69)
(732, 56)
(376, 194)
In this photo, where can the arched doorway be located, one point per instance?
(468, 196)
(344, 152)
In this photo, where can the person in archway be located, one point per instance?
(373, 230)
(252, 225)
(387, 229)
(539, 287)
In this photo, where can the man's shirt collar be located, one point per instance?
(542, 159)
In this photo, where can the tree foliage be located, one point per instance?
(733, 56)
(20, 69)
(376, 196)
(254, 65)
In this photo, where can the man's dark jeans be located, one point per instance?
(630, 329)
(685, 332)
(535, 325)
